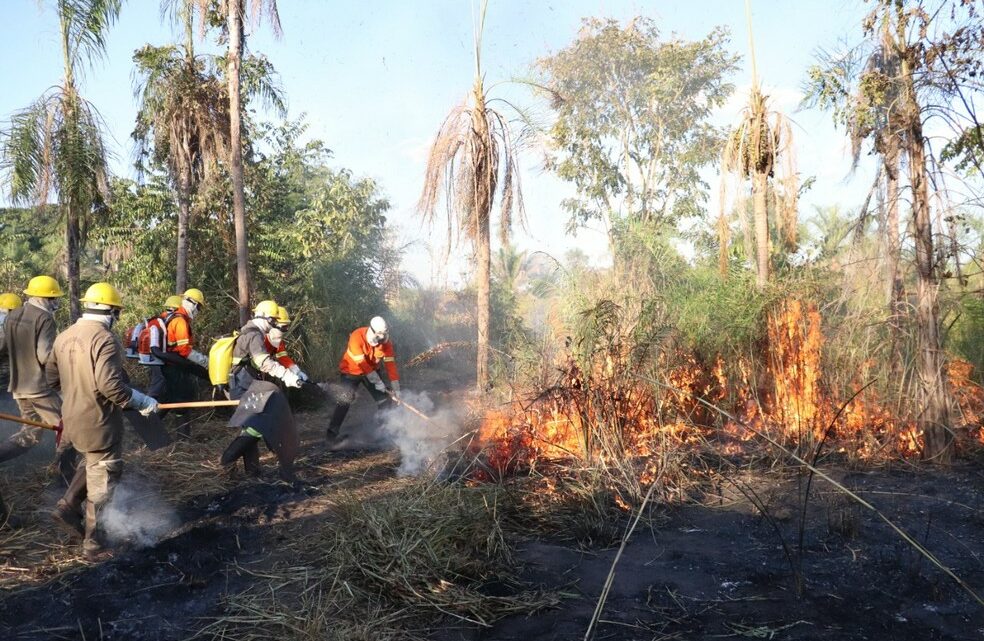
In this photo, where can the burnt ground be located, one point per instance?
(709, 570)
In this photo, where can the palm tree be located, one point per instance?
(55, 146)
(473, 163)
(758, 149)
(182, 123)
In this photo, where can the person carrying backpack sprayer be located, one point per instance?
(274, 342)
(150, 343)
(244, 363)
(182, 362)
(369, 349)
(29, 334)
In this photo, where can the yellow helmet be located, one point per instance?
(195, 295)
(283, 318)
(266, 309)
(44, 287)
(173, 302)
(102, 294)
(9, 301)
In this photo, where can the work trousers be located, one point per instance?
(44, 409)
(95, 479)
(349, 386)
(156, 385)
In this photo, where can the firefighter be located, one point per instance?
(152, 342)
(369, 350)
(29, 333)
(274, 342)
(8, 302)
(182, 362)
(254, 369)
(86, 364)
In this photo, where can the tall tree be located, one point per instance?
(633, 120)
(862, 87)
(182, 122)
(55, 146)
(473, 163)
(760, 150)
(234, 13)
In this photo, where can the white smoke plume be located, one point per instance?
(422, 442)
(137, 515)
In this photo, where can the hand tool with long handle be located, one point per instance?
(27, 421)
(189, 404)
(400, 401)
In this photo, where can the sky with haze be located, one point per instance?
(376, 78)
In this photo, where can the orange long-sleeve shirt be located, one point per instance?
(360, 357)
(179, 337)
(279, 353)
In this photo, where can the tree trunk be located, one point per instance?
(236, 162)
(73, 260)
(893, 248)
(760, 185)
(184, 215)
(483, 190)
(933, 399)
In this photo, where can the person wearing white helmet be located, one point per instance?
(369, 350)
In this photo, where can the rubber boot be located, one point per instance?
(11, 450)
(251, 459)
(244, 447)
(69, 520)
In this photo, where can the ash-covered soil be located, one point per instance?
(713, 570)
(721, 570)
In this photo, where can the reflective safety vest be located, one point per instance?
(360, 357)
(179, 337)
(153, 337)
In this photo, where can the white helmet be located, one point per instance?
(378, 330)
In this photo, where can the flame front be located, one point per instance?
(610, 415)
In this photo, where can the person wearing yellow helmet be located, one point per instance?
(274, 342)
(8, 302)
(28, 335)
(86, 365)
(257, 372)
(182, 363)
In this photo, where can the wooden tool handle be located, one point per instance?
(178, 406)
(27, 421)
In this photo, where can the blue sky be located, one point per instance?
(376, 78)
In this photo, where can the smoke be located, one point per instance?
(422, 442)
(137, 515)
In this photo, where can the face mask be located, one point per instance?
(191, 307)
(276, 336)
(3, 317)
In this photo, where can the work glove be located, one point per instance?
(395, 389)
(291, 379)
(377, 382)
(299, 373)
(198, 358)
(144, 404)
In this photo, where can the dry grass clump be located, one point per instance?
(381, 568)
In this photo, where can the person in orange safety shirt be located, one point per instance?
(369, 350)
